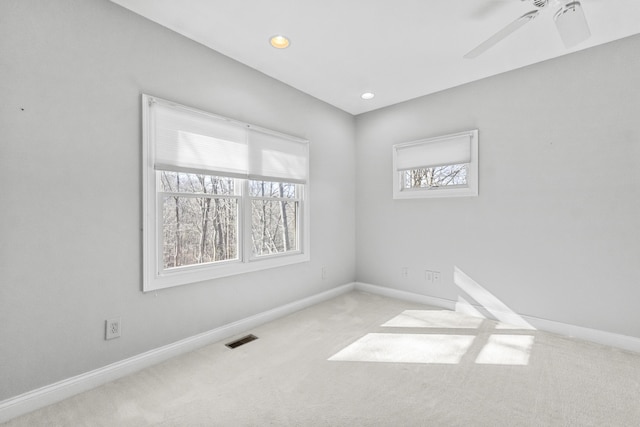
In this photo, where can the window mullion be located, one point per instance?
(198, 195)
(299, 218)
(159, 236)
(245, 232)
(276, 199)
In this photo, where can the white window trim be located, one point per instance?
(469, 190)
(247, 217)
(154, 278)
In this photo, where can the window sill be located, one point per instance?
(435, 193)
(184, 277)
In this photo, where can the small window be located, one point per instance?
(220, 197)
(450, 176)
(445, 166)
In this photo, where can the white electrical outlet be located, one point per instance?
(428, 276)
(437, 277)
(112, 329)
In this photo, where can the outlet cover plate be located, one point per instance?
(112, 328)
(437, 277)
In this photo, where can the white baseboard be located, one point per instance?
(404, 295)
(47, 395)
(624, 342)
(61, 390)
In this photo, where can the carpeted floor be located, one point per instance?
(366, 360)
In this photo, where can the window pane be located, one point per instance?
(274, 226)
(272, 189)
(198, 230)
(439, 176)
(180, 182)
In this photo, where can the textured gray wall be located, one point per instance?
(554, 232)
(71, 75)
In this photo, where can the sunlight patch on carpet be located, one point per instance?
(406, 348)
(433, 319)
(506, 350)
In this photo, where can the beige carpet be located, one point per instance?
(365, 360)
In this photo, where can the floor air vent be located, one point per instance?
(241, 341)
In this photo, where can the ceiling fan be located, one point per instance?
(569, 19)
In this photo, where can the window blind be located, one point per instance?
(441, 151)
(274, 158)
(193, 141)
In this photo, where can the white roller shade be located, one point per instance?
(441, 151)
(188, 140)
(274, 157)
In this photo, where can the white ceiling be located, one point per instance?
(398, 49)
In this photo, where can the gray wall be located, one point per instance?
(71, 75)
(554, 232)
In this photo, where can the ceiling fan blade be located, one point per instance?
(487, 8)
(502, 34)
(572, 24)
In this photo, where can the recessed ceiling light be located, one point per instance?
(279, 42)
(367, 95)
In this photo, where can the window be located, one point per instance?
(220, 197)
(445, 166)
(199, 219)
(274, 217)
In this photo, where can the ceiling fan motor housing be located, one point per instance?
(572, 24)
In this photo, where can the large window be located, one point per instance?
(445, 166)
(220, 197)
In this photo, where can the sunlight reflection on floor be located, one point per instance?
(506, 350)
(406, 348)
(431, 346)
(482, 327)
(433, 319)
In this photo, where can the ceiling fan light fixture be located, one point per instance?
(572, 24)
(279, 41)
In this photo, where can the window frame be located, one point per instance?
(155, 276)
(248, 213)
(468, 190)
(160, 195)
